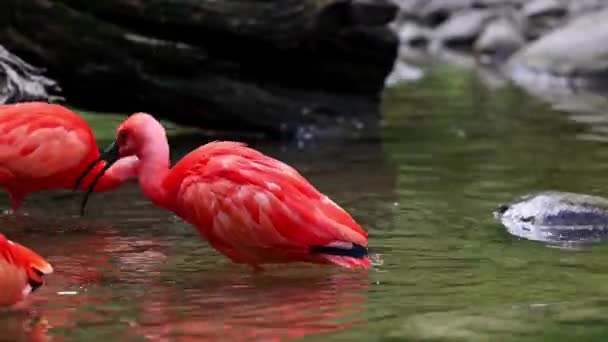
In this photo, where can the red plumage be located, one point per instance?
(45, 146)
(251, 207)
(20, 268)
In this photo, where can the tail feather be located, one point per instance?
(349, 255)
(352, 250)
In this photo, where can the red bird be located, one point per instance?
(252, 208)
(21, 271)
(45, 146)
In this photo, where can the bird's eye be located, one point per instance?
(122, 136)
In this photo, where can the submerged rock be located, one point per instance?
(556, 217)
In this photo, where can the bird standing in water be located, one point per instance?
(45, 146)
(21, 271)
(252, 208)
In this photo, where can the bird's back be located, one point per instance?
(40, 140)
(242, 198)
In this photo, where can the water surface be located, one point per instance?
(449, 153)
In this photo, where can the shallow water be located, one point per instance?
(450, 152)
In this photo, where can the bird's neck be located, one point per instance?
(153, 168)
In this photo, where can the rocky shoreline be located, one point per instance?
(560, 40)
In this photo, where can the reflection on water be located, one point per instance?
(450, 151)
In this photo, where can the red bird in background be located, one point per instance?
(252, 208)
(21, 271)
(46, 146)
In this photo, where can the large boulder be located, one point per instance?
(266, 66)
(576, 51)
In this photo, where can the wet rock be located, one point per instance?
(554, 216)
(499, 40)
(267, 67)
(22, 82)
(463, 28)
(578, 50)
(414, 35)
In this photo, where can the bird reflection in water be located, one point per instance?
(135, 291)
(249, 307)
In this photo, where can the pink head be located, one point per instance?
(138, 135)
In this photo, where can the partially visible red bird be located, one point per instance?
(251, 207)
(45, 146)
(21, 271)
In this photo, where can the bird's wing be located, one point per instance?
(29, 258)
(37, 142)
(18, 265)
(261, 201)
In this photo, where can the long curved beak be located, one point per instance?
(110, 155)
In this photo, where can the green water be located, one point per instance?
(450, 152)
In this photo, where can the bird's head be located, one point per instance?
(135, 133)
(134, 136)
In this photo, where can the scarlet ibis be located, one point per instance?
(21, 271)
(252, 208)
(45, 146)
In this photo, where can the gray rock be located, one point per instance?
(543, 16)
(578, 49)
(499, 40)
(414, 35)
(410, 6)
(463, 27)
(537, 8)
(579, 7)
(554, 216)
(436, 12)
(497, 3)
(403, 72)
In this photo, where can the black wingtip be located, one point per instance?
(356, 251)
